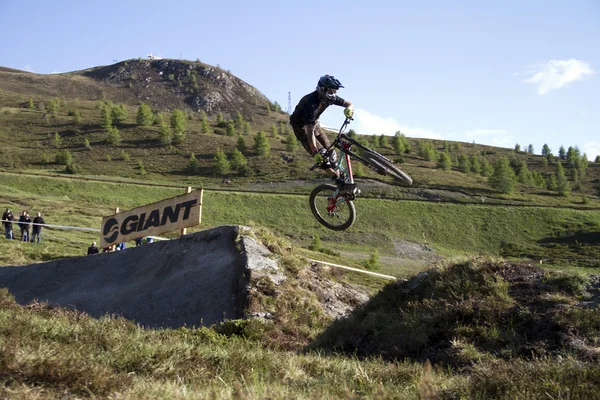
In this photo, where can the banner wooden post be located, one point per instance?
(184, 230)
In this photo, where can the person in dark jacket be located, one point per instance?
(305, 123)
(93, 249)
(24, 225)
(36, 229)
(7, 219)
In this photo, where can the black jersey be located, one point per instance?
(310, 108)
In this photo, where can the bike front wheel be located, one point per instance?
(385, 167)
(332, 211)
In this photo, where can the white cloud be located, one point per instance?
(369, 124)
(555, 74)
(28, 68)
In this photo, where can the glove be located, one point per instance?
(348, 112)
(322, 158)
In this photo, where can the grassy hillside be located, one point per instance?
(554, 235)
(42, 115)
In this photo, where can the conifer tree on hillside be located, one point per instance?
(463, 163)
(144, 115)
(247, 128)
(291, 143)
(239, 162)
(261, 144)
(220, 118)
(444, 161)
(597, 159)
(530, 149)
(524, 176)
(503, 179)
(398, 144)
(241, 144)
(222, 165)
(546, 151)
(193, 165)
(486, 168)
(475, 165)
(383, 141)
(30, 105)
(204, 128)
(562, 184)
(231, 129)
(118, 113)
(562, 154)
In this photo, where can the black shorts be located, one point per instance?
(302, 133)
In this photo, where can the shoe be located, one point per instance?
(346, 188)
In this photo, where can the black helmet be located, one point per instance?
(328, 82)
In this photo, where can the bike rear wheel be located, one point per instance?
(385, 167)
(333, 212)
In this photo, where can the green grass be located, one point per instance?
(464, 313)
(554, 235)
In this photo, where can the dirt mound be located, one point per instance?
(198, 280)
(472, 311)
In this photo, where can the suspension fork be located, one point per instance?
(346, 147)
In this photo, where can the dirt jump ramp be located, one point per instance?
(197, 280)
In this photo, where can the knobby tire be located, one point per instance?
(384, 166)
(318, 205)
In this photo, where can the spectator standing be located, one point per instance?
(139, 242)
(121, 246)
(24, 225)
(36, 229)
(8, 217)
(93, 249)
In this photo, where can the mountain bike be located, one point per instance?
(334, 208)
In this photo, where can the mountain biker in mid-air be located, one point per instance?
(305, 122)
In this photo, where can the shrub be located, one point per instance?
(193, 164)
(72, 169)
(63, 157)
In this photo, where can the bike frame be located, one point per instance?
(344, 143)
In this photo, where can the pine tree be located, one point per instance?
(444, 161)
(241, 144)
(291, 143)
(546, 151)
(372, 263)
(261, 144)
(562, 154)
(239, 120)
(398, 144)
(597, 159)
(463, 163)
(118, 113)
(486, 168)
(106, 116)
(30, 105)
(503, 179)
(203, 116)
(551, 183)
(517, 148)
(383, 141)
(524, 176)
(204, 127)
(247, 128)
(193, 165)
(53, 106)
(113, 136)
(220, 118)
(475, 165)
(77, 118)
(57, 140)
(562, 184)
(178, 121)
(222, 165)
(238, 161)
(230, 129)
(144, 115)
(165, 135)
(316, 243)
(530, 149)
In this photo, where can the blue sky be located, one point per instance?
(493, 72)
